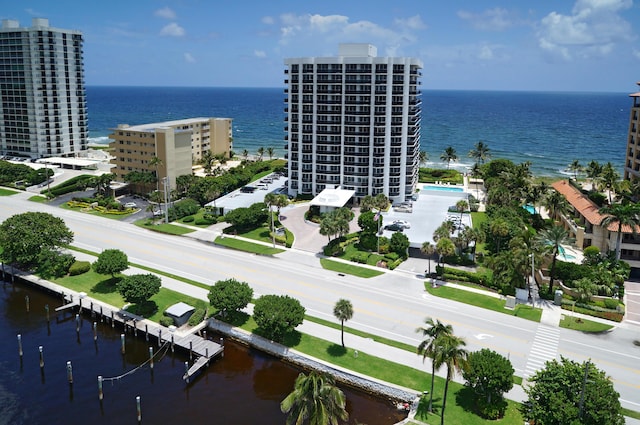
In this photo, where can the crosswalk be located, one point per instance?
(544, 348)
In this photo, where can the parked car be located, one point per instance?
(130, 205)
(403, 208)
(394, 227)
(403, 223)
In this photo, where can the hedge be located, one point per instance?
(79, 267)
(197, 316)
(594, 311)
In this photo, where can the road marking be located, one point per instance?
(544, 349)
(483, 336)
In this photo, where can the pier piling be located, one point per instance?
(151, 357)
(20, 346)
(46, 309)
(122, 349)
(40, 349)
(95, 331)
(100, 394)
(26, 301)
(138, 409)
(69, 373)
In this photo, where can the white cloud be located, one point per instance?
(165, 13)
(172, 30)
(268, 20)
(414, 23)
(486, 53)
(496, 19)
(188, 57)
(594, 28)
(300, 32)
(259, 54)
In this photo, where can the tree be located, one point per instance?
(450, 352)
(556, 204)
(102, 183)
(399, 244)
(270, 152)
(608, 179)
(276, 315)
(490, 375)
(423, 157)
(260, 153)
(553, 239)
(428, 249)
(480, 152)
(461, 206)
(230, 295)
(445, 248)
(138, 288)
(26, 237)
(343, 310)
(245, 154)
(315, 400)
(449, 155)
(576, 168)
(111, 261)
(433, 330)
(623, 215)
(568, 392)
(593, 170)
(248, 218)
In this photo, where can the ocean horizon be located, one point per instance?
(548, 129)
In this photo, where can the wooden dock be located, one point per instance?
(200, 349)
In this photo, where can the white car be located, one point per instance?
(130, 205)
(403, 223)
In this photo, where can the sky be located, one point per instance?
(542, 45)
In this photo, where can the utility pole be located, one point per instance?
(584, 385)
(165, 181)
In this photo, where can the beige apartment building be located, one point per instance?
(177, 145)
(632, 164)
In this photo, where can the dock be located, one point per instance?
(201, 350)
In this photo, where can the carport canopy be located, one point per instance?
(330, 199)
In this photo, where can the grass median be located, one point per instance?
(583, 325)
(246, 246)
(484, 301)
(340, 267)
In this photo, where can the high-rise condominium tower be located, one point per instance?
(43, 111)
(353, 121)
(632, 165)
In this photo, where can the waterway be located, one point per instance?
(245, 386)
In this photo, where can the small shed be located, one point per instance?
(180, 313)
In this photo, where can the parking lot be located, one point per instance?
(244, 197)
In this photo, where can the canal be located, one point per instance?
(245, 386)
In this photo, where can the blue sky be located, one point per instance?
(548, 45)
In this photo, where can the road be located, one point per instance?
(391, 305)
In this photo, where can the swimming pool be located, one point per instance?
(443, 188)
(564, 254)
(530, 208)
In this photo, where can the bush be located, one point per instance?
(360, 257)
(197, 316)
(166, 321)
(392, 256)
(368, 242)
(611, 303)
(79, 267)
(183, 208)
(188, 219)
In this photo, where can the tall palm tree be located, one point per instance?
(245, 154)
(260, 153)
(609, 179)
(461, 206)
(552, 239)
(556, 204)
(343, 311)
(445, 247)
(428, 249)
(449, 155)
(156, 163)
(315, 400)
(593, 170)
(623, 215)
(454, 356)
(423, 157)
(433, 330)
(480, 152)
(576, 167)
(270, 152)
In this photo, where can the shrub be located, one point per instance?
(610, 303)
(188, 219)
(166, 321)
(392, 256)
(360, 257)
(368, 242)
(197, 316)
(79, 267)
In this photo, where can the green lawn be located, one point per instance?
(170, 229)
(38, 198)
(93, 212)
(197, 216)
(484, 301)
(584, 325)
(242, 245)
(7, 192)
(339, 267)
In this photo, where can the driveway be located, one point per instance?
(307, 234)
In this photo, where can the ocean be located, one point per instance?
(548, 129)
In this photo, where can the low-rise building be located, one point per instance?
(583, 223)
(176, 145)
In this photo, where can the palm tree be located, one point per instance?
(260, 153)
(423, 157)
(593, 170)
(245, 154)
(556, 204)
(433, 330)
(609, 179)
(449, 155)
(156, 162)
(480, 152)
(461, 206)
(552, 239)
(428, 249)
(623, 215)
(445, 247)
(343, 311)
(315, 400)
(576, 167)
(270, 152)
(452, 354)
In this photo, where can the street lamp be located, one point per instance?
(165, 181)
(533, 275)
(377, 218)
(273, 230)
